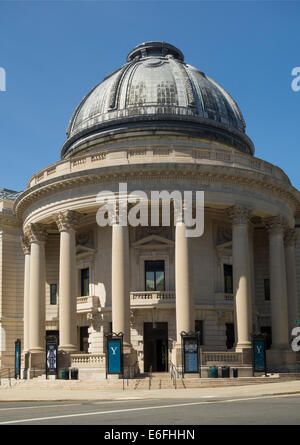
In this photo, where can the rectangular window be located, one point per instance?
(267, 289)
(84, 339)
(199, 328)
(53, 293)
(228, 281)
(154, 275)
(230, 335)
(85, 282)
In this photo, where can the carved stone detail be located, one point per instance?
(25, 245)
(239, 214)
(275, 224)
(36, 233)
(67, 220)
(290, 238)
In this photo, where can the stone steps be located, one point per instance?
(137, 384)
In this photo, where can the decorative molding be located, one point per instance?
(36, 233)
(204, 174)
(275, 224)
(239, 214)
(25, 245)
(67, 220)
(290, 238)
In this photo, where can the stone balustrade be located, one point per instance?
(215, 358)
(157, 154)
(87, 360)
(152, 298)
(87, 304)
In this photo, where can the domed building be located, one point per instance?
(155, 127)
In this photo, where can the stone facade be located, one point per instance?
(251, 216)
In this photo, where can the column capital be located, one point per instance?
(275, 225)
(290, 237)
(67, 220)
(25, 245)
(36, 233)
(239, 214)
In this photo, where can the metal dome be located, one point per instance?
(156, 85)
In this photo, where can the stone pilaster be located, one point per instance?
(66, 222)
(241, 274)
(290, 244)
(26, 249)
(37, 234)
(278, 290)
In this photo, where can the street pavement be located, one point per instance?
(259, 404)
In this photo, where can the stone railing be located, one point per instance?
(154, 297)
(224, 298)
(87, 304)
(155, 154)
(215, 358)
(88, 360)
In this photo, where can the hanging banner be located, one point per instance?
(259, 354)
(51, 356)
(114, 354)
(17, 358)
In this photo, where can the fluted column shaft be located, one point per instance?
(278, 289)
(66, 222)
(37, 305)
(241, 274)
(182, 284)
(291, 280)
(26, 328)
(120, 281)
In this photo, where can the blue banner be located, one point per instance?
(190, 350)
(114, 356)
(259, 355)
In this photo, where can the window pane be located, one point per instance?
(160, 281)
(53, 288)
(228, 282)
(267, 289)
(150, 282)
(85, 281)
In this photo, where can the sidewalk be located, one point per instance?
(14, 394)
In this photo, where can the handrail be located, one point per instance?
(174, 373)
(150, 376)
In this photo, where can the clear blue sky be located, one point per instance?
(55, 52)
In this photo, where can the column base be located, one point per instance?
(69, 349)
(177, 357)
(129, 361)
(279, 360)
(36, 364)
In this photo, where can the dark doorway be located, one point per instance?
(156, 347)
(268, 331)
(230, 336)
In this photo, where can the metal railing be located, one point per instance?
(150, 376)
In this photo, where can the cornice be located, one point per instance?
(163, 171)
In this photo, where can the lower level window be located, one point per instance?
(53, 293)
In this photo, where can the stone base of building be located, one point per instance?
(36, 365)
(281, 361)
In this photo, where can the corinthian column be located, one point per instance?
(182, 279)
(36, 233)
(290, 244)
(26, 249)
(241, 274)
(120, 280)
(278, 291)
(66, 222)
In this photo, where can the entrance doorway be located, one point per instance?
(156, 347)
